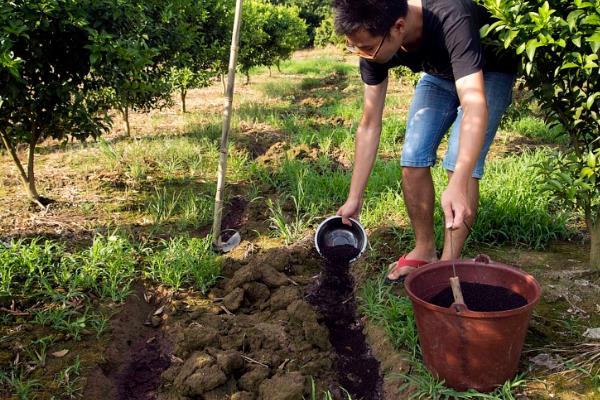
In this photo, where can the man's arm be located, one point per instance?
(471, 93)
(366, 144)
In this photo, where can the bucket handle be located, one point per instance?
(483, 258)
(459, 308)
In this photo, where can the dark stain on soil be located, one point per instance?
(135, 358)
(481, 297)
(357, 369)
(235, 215)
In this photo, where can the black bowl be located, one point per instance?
(332, 232)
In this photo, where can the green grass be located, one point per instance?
(513, 210)
(17, 384)
(69, 381)
(171, 157)
(184, 262)
(317, 66)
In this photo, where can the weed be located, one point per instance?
(303, 213)
(185, 261)
(99, 323)
(19, 385)
(421, 384)
(109, 152)
(111, 260)
(69, 382)
(392, 312)
(37, 350)
(50, 316)
(162, 205)
(288, 230)
(326, 394)
(73, 324)
(24, 267)
(195, 209)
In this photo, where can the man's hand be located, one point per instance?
(456, 206)
(455, 199)
(350, 209)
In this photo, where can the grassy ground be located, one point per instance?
(141, 207)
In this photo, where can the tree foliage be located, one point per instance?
(130, 47)
(204, 31)
(560, 44)
(325, 33)
(311, 11)
(44, 73)
(270, 33)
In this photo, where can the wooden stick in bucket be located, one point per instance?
(456, 291)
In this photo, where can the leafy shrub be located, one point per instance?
(560, 42)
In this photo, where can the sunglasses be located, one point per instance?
(361, 53)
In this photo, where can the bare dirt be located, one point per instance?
(135, 357)
(258, 338)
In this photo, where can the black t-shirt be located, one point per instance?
(450, 45)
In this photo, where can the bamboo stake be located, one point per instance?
(235, 40)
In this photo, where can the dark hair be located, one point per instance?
(375, 16)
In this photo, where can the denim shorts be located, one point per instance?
(435, 108)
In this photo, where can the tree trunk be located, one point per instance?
(594, 227)
(30, 168)
(278, 64)
(27, 178)
(247, 77)
(183, 94)
(270, 74)
(125, 112)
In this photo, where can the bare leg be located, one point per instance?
(419, 196)
(454, 240)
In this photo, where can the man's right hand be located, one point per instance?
(366, 143)
(350, 209)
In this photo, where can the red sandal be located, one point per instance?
(401, 263)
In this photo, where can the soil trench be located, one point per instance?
(333, 297)
(135, 358)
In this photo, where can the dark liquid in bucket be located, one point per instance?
(340, 255)
(481, 297)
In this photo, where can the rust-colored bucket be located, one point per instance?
(467, 349)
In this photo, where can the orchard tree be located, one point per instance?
(313, 12)
(270, 33)
(286, 32)
(200, 32)
(325, 34)
(129, 51)
(44, 69)
(560, 41)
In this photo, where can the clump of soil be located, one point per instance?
(258, 339)
(481, 297)
(281, 151)
(357, 369)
